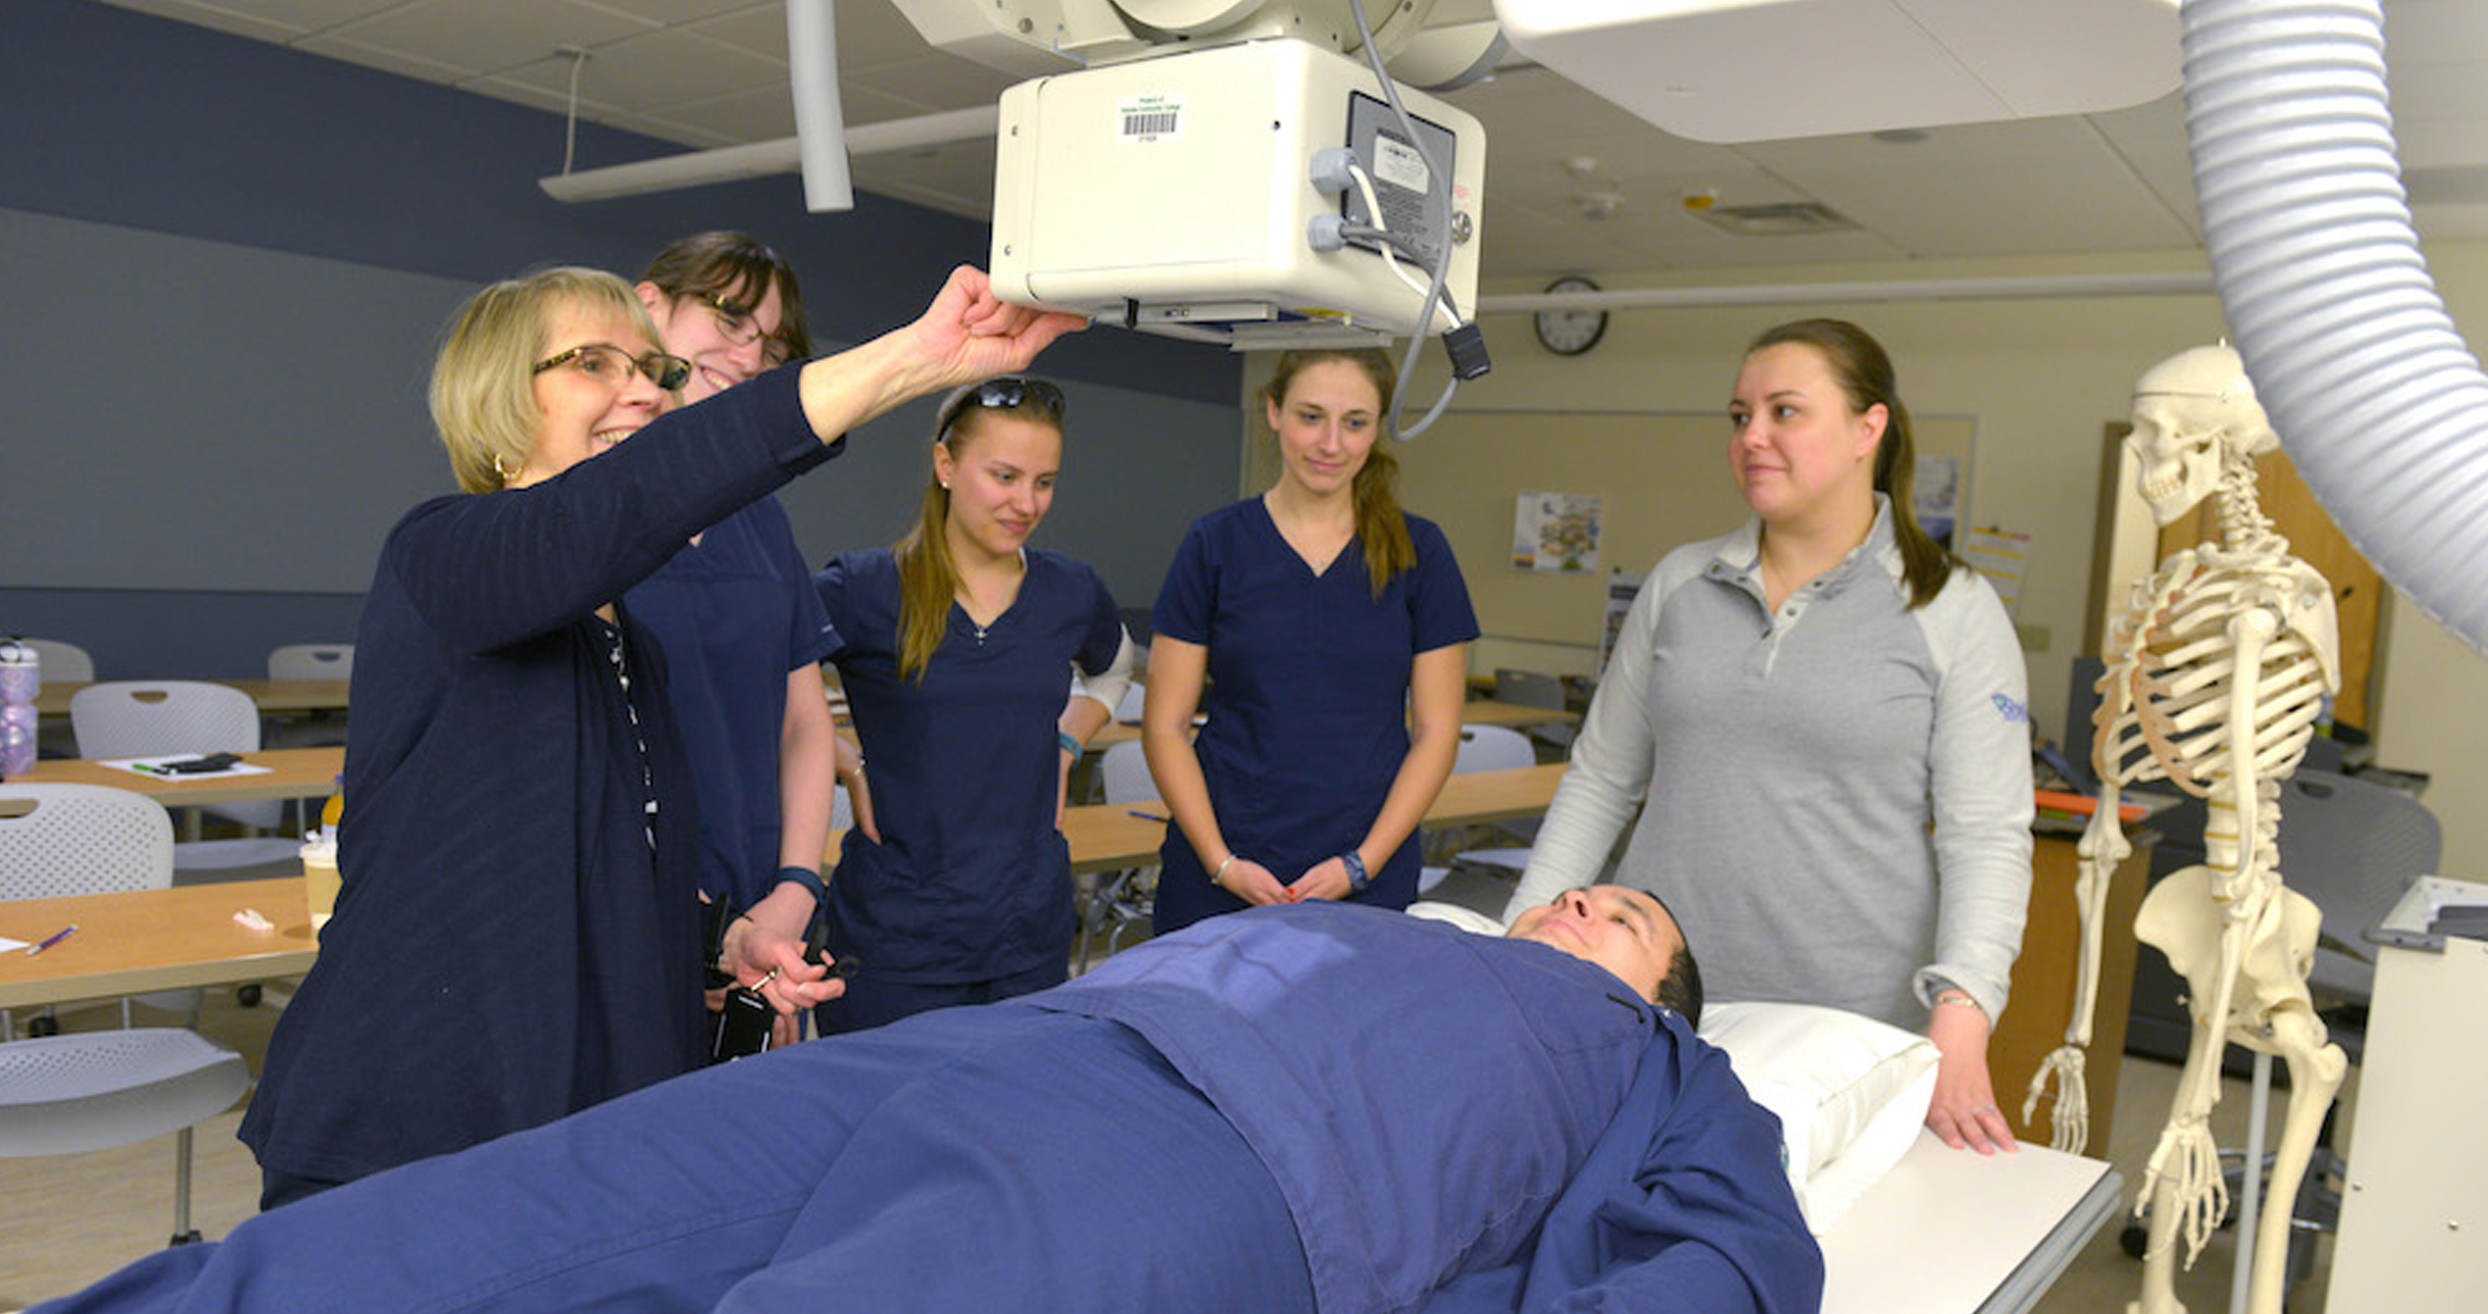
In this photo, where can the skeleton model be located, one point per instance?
(2215, 677)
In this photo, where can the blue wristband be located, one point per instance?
(1357, 879)
(807, 878)
(1070, 745)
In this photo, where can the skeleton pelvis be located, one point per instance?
(2181, 917)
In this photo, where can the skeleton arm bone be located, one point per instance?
(2103, 849)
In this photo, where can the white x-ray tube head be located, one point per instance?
(1175, 195)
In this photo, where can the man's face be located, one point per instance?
(1622, 930)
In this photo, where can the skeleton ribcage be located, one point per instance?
(2182, 673)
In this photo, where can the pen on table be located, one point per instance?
(1145, 816)
(141, 766)
(48, 941)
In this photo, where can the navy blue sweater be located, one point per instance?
(507, 949)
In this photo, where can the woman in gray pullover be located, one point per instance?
(1821, 718)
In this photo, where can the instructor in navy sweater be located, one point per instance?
(518, 935)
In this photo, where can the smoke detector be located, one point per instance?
(1599, 205)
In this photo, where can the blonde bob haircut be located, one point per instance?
(483, 381)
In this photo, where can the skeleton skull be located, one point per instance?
(2194, 413)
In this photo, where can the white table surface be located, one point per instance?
(1953, 1230)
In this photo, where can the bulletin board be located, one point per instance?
(1661, 478)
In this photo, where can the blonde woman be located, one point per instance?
(518, 933)
(953, 648)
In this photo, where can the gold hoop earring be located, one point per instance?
(506, 474)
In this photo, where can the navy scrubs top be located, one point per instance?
(971, 880)
(1307, 701)
(736, 613)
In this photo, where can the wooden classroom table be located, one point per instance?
(271, 695)
(169, 939)
(292, 773)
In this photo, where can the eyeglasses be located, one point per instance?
(737, 327)
(1008, 393)
(733, 322)
(612, 366)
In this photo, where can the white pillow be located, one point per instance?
(1467, 919)
(1850, 1092)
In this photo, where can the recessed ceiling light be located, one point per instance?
(1778, 219)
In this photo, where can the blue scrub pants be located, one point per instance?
(969, 1160)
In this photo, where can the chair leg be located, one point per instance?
(183, 1233)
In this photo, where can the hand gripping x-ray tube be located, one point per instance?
(1176, 195)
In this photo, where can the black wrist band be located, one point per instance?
(807, 878)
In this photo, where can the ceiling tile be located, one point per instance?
(386, 59)
(760, 30)
(256, 26)
(489, 36)
(764, 111)
(656, 71)
(933, 82)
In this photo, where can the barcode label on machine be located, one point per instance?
(1150, 118)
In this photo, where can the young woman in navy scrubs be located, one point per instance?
(1325, 632)
(735, 610)
(955, 649)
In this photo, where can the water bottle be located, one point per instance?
(21, 678)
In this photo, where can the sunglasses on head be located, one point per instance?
(1008, 393)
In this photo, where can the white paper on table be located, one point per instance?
(148, 766)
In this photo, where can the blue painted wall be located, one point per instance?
(228, 266)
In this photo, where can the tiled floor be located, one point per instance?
(67, 1221)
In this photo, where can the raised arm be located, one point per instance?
(966, 334)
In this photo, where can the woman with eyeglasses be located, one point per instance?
(954, 648)
(518, 935)
(735, 611)
(1325, 632)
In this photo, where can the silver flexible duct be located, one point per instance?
(2374, 393)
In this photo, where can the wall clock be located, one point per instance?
(1571, 332)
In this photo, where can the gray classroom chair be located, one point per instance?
(309, 661)
(99, 1089)
(1537, 689)
(62, 660)
(1120, 900)
(62, 840)
(2354, 847)
(312, 661)
(158, 718)
(1484, 748)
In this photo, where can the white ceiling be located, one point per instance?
(708, 73)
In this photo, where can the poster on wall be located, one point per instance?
(2003, 556)
(1556, 532)
(1935, 494)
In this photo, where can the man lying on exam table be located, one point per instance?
(1305, 1107)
